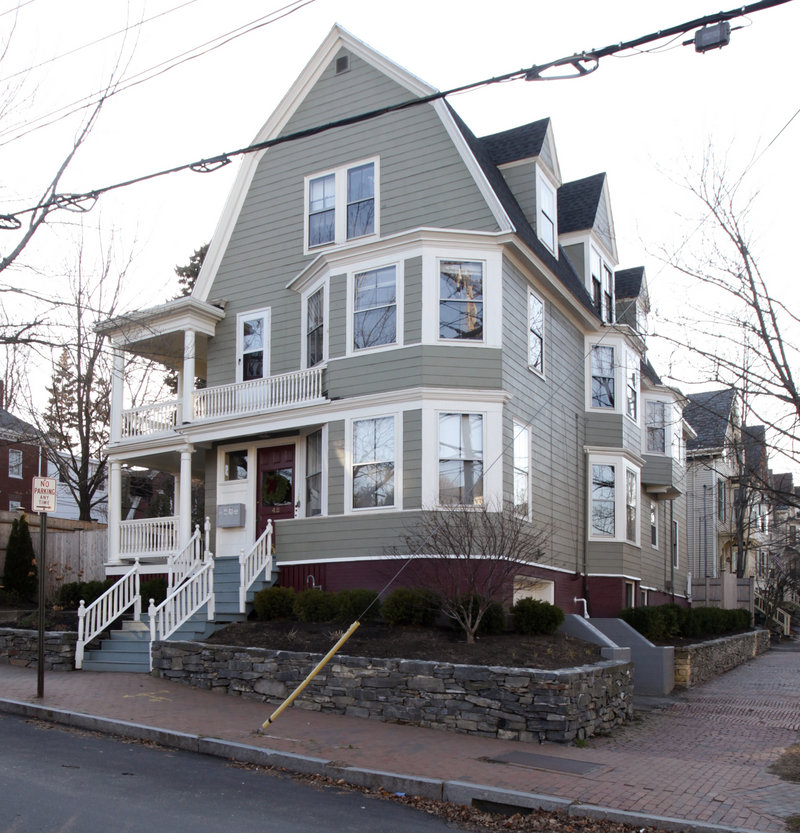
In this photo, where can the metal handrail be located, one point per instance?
(253, 562)
(94, 618)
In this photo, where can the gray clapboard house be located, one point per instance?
(395, 315)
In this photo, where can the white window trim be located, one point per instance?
(543, 182)
(397, 506)
(622, 352)
(300, 465)
(368, 266)
(492, 448)
(517, 428)
(20, 456)
(653, 505)
(621, 467)
(492, 260)
(340, 205)
(324, 285)
(543, 371)
(589, 353)
(266, 314)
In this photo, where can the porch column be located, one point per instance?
(117, 371)
(114, 509)
(188, 375)
(185, 497)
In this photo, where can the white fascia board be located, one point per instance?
(487, 192)
(609, 451)
(524, 258)
(180, 314)
(614, 575)
(337, 39)
(408, 399)
(404, 244)
(611, 232)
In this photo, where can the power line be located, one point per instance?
(582, 64)
(91, 43)
(152, 72)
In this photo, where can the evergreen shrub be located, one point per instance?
(20, 577)
(352, 605)
(315, 606)
(274, 603)
(411, 606)
(532, 616)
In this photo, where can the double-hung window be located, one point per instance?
(522, 469)
(253, 345)
(632, 385)
(602, 376)
(375, 308)
(461, 459)
(314, 474)
(535, 333)
(631, 504)
(373, 462)
(461, 300)
(656, 418)
(14, 462)
(602, 286)
(653, 524)
(546, 216)
(340, 204)
(603, 500)
(315, 327)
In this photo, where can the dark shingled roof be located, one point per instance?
(577, 203)
(11, 426)
(628, 282)
(647, 370)
(783, 488)
(560, 266)
(754, 439)
(709, 414)
(522, 142)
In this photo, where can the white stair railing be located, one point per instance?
(182, 603)
(93, 619)
(181, 563)
(779, 616)
(252, 563)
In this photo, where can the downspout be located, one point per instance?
(586, 529)
(673, 544)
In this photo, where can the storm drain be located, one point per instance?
(548, 762)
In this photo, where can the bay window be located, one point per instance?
(375, 308)
(461, 300)
(603, 500)
(522, 469)
(373, 463)
(461, 459)
(602, 376)
(656, 427)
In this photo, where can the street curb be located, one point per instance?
(456, 792)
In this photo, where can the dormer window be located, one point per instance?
(546, 216)
(602, 286)
(341, 204)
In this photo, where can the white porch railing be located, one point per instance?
(149, 419)
(96, 617)
(184, 601)
(149, 536)
(258, 395)
(253, 562)
(779, 616)
(184, 561)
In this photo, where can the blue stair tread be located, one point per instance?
(100, 665)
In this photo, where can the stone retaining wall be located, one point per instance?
(21, 647)
(696, 664)
(509, 703)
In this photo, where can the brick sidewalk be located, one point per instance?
(701, 757)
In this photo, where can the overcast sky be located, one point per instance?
(646, 119)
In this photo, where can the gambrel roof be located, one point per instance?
(710, 413)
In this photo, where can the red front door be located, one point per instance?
(275, 492)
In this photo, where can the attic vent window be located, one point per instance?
(342, 64)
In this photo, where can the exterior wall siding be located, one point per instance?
(521, 179)
(604, 430)
(555, 411)
(412, 459)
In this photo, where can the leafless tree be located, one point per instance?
(471, 555)
(738, 332)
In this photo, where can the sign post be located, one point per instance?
(43, 500)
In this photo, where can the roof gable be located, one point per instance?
(710, 413)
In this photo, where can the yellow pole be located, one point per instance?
(320, 665)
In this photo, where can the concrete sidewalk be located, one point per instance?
(698, 758)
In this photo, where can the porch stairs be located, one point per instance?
(128, 649)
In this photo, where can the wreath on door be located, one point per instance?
(275, 488)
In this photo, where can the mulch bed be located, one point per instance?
(435, 644)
